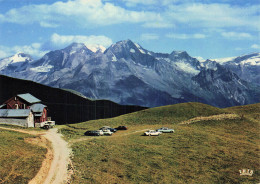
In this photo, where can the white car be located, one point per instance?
(152, 132)
(107, 132)
(100, 132)
(165, 130)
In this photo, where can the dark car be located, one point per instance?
(108, 128)
(121, 128)
(93, 133)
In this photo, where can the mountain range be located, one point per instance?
(128, 74)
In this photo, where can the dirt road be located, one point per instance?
(54, 168)
(58, 172)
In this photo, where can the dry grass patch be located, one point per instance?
(19, 161)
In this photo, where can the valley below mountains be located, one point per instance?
(128, 74)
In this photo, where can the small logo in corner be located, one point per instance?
(246, 172)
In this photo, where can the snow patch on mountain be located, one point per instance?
(142, 51)
(223, 60)
(17, 59)
(96, 48)
(4, 62)
(137, 45)
(20, 57)
(114, 58)
(186, 67)
(42, 69)
(165, 59)
(132, 50)
(252, 61)
(177, 53)
(73, 52)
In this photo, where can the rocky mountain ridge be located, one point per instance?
(127, 73)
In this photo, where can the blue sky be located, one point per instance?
(203, 28)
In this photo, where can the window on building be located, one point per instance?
(16, 106)
(24, 106)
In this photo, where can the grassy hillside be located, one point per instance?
(19, 161)
(166, 115)
(251, 112)
(209, 151)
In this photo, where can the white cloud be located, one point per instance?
(186, 36)
(3, 54)
(236, 35)
(56, 41)
(80, 12)
(46, 24)
(92, 40)
(215, 15)
(255, 46)
(165, 14)
(155, 3)
(132, 3)
(149, 36)
(198, 36)
(160, 24)
(34, 50)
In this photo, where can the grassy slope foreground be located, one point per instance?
(19, 161)
(211, 151)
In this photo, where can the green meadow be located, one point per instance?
(211, 151)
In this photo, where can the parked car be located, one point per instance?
(46, 124)
(152, 132)
(51, 123)
(94, 133)
(107, 132)
(108, 128)
(46, 127)
(121, 128)
(165, 130)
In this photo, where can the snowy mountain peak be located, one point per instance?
(223, 60)
(250, 59)
(180, 54)
(124, 44)
(247, 67)
(16, 59)
(96, 48)
(20, 57)
(209, 64)
(129, 74)
(128, 47)
(75, 47)
(16, 63)
(122, 48)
